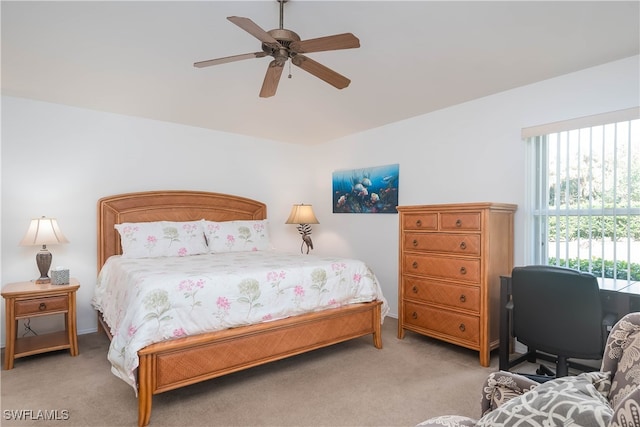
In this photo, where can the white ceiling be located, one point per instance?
(136, 58)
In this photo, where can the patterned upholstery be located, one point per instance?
(609, 398)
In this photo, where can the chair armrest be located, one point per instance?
(627, 411)
(501, 386)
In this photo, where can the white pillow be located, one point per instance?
(162, 239)
(237, 236)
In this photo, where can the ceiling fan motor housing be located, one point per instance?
(285, 38)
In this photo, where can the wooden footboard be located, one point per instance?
(172, 364)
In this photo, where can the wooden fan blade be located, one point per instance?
(271, 79)
(336, 42)
(226, 59)
(320, 71)
(252, 28)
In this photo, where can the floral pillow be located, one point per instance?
(162, 239)
(568, 401)
(237, 236)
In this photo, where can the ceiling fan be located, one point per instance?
(282, 45)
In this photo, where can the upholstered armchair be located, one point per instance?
(608, 398)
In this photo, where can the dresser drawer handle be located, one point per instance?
(458, 223)
(463, 270)
(463, 298)
(463, 245)
(42, 306)
(418, 223)
(414, 315)
(415, 242)
(462, 327)
(415, 289)
(415, 264)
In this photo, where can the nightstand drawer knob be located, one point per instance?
(463, 270)
(458, 223)
(415, 264)
(462, 327)
(415, 289)
(42, 306)
(463, 298)
(418, 223)
(463, 245)
(414, 315)
(415, 242)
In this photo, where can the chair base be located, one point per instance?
(563, 364)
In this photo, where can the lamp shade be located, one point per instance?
(302, 214)
(43, 231)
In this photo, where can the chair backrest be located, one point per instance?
(557, 310)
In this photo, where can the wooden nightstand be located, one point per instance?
(27, 299)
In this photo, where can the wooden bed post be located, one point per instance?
(145, 389)
(377, 328)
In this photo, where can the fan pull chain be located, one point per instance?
(289, 76)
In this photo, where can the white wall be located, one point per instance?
(58, 161)
(467, 153)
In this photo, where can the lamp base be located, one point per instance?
(43, 260)
(306, 240)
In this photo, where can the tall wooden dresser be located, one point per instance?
(451, 260)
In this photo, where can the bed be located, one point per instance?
(187, 358)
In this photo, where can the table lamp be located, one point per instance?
(303, 216)
(43, 231)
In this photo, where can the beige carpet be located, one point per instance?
(348, 384)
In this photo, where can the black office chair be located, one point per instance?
(556, 312)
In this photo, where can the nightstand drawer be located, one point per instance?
(463, 244)
(38, 306)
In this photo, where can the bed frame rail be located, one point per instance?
(172, 364)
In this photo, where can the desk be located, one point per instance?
(620, 301)
(616, 302)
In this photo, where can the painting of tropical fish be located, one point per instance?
(366, 190)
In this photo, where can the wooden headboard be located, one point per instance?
(167, 206)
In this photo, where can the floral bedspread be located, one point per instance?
(149, 300)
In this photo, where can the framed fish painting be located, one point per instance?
(366, 190)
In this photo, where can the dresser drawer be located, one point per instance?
(467, 244)
(38, 306)
(461, 326)
(460, 221)
(459, 269)
(423, 221)
(455, 296)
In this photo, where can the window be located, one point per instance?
(584, 193)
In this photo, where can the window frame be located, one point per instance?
(537, 208)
